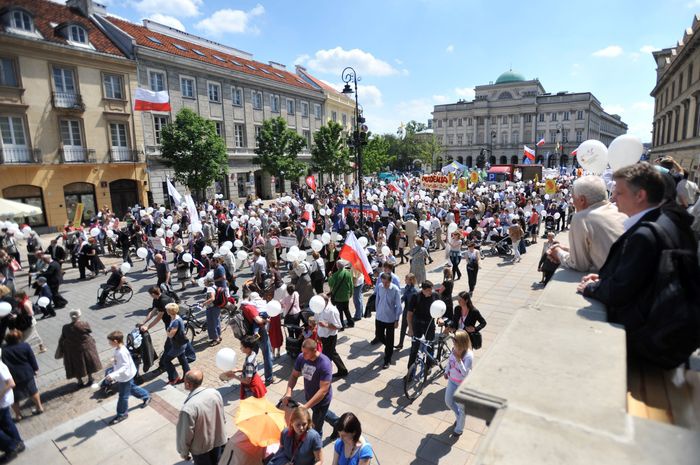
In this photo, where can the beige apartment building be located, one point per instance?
(677, 102)
(68, 133)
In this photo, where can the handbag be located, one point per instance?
(59, 349)
(475, 338)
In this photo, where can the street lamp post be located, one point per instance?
(350, 75)
(560, 131)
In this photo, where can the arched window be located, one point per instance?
(503, 160)
(79, 193)
(505, 96)
(492, 160)
(540, 159)
(514, 160)
(460, 159)
(22, 20)
(31, 195)
(564, 161)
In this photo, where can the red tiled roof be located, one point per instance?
(167, 44)
(45, 12)
(323, 84)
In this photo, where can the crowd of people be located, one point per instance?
(291, 248)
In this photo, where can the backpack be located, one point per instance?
(670, 331)
(240, 325)
(220, 299)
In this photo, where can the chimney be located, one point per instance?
(87, 7)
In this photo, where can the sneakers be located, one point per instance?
(118, 419)
(374, 342)
(146, 401)
(385, 366)
(340, 374)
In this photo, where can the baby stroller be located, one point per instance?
(294, 335)
(549, 225)
(141, 349)
(499, 247)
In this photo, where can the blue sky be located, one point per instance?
(413, 54)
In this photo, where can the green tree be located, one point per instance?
(278, 147)
(329, 153)
(429, 149)
(376, 155)
(191, 147)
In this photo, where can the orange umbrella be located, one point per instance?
(260, 420)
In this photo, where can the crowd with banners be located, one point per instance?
(315, 262)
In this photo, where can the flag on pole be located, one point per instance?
(148, 100)
(192, 209)
(393, 186)
(310, 224)
(540, 143)
(311, 182)
(574, 152)
(528, 152)
(353, 252)
(177, 198)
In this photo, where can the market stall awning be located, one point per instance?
(500, 169)
(12, 209)
(453, 167)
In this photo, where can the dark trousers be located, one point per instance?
(83, 263)
(344, 310)
(419, 330)
(329, 351)
(208, 458)
(125, 256)
(404, 327)
(321, 413)
(471, 276)
(104, 294)
(384, 332)
(9, 436)
(455, 259)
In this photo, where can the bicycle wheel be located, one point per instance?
(414, 381)
(123, 294)
(190, 332)
(445, 349)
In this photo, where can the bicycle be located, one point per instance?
(419, 371)
(119, 295)
(193, 325)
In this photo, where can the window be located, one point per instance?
(120, 144)
(258, 131)
(290, 106)
(154, 40)
(439, 123)
(469, 121)
(554, 116)
(77, 34)
(469, 139)
(305, 109)
(344, 119)
(528, 118)
(198, 52)
(493, 120)
(450, 123)
(540, 135)
(516, 137)
(334, 116)
(516, 118)
(187, 87)
(450, 139)
(566, 116)
(12, 130)
(690, 74)
(265, 71)
(565, 135)
(219, 128)
(214, 91)
(552, 136)
(541, 118)
(237, 96)
(70, 133)
(257, 100)
(317, 111)
(113, 86)
(22, 21)
(179, 47)
(238, 135)
(307, 136)
(579, 135)
(459, 121)
(275, 103)
(504, 138)
(219, 58)
(156, 80)
(579, 114)
(63, 80)
(251, 67)
(159, 122)
(8, 73)
(236, 63)
(459, 139)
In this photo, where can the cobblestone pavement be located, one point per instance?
(401, 432)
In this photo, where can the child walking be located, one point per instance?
(458, 367)
(123, 374)
(251, 382)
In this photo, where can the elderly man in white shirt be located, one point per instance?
(596, 225)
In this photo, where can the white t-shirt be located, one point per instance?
(330, 315)
(9, 398)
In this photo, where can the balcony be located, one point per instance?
(124, 155)
(68, 101)
(77, 155)
(19, 155)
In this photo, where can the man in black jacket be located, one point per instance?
(53, 277)
(420, 322)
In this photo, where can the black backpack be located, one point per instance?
(670, 331)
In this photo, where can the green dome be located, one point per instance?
(510, 76)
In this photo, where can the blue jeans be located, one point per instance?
(321, 414)
(213, 322)
(456, 407)
(126, 389)
(357, 301)
(266, 353)
(149, 258)
(9, 436)
(169, 355)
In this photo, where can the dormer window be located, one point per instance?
(77, 34)
(22, 21)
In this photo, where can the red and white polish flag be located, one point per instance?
(541, 142)
(353, 252)
(148, 100)
(528, 152)
(393, 186)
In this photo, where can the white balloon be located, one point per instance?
(207, 250)
(169, 233)
(142, 252)
(242, 255)
(452, 228)
(160, 232)
(557, 215)
(26, 230)
(363, 241)
(316, 245)
(210, 274)
(325, 238)
(317, 304)
(43, 302)
(592, 155)
(437, 309)
(200, 282)
(293, 249)
(223, 250)
(237, 244)
(375, 208)
(226, 359)
(125, 267)
(386, 251)
(94, 232)
(309, 208)
(196, 227)
(5, 309)
(273, 308)
(161, 209)
(149, 210)
(175, 227)
(186, 257)
(469, 230)
(625, 150)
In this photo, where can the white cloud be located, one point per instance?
(610, 51)
(301, 59)
(369, 95)
(466, 93)
(693, 4)
(336, 59)
(168, 21)
(397, 61)
(450, 48)
(177, 7)
(648, 49)
(441, 99)
(231, 21)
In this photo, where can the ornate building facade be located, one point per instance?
(513, 112)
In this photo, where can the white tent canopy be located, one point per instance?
(452, 167)
(12, 209)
